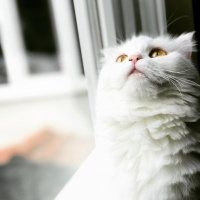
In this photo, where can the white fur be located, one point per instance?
(147, 123)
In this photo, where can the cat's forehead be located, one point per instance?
(139, 41)
(143, 43)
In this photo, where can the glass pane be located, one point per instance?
(180, 19)
(3, 73)
(38, 35)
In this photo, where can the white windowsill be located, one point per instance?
(41, 86)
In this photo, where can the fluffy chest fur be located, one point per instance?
(147, 124)
(151, 152)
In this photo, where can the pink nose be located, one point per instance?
(134, 58)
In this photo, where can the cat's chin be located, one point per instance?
(139, 87)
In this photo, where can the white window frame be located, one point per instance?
(22, 85)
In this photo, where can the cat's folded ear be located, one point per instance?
(186, 44)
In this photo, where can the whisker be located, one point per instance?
(182, 72)
(172, 80)
(168, 25)
(171, 16)
(189, 82)
(186, 81)
(175, 79)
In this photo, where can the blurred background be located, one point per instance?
(49, 63)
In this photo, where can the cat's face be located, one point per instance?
(145, 67)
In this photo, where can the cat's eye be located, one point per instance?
(157, 53)
(121, 58)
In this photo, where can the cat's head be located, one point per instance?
(146, 67)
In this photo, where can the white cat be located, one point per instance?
(147, 124)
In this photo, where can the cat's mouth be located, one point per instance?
(134, 71)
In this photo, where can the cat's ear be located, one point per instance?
(186, 44)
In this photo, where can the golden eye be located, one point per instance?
(157, 52)
(121, 58)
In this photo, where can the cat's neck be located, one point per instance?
(146, 122)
